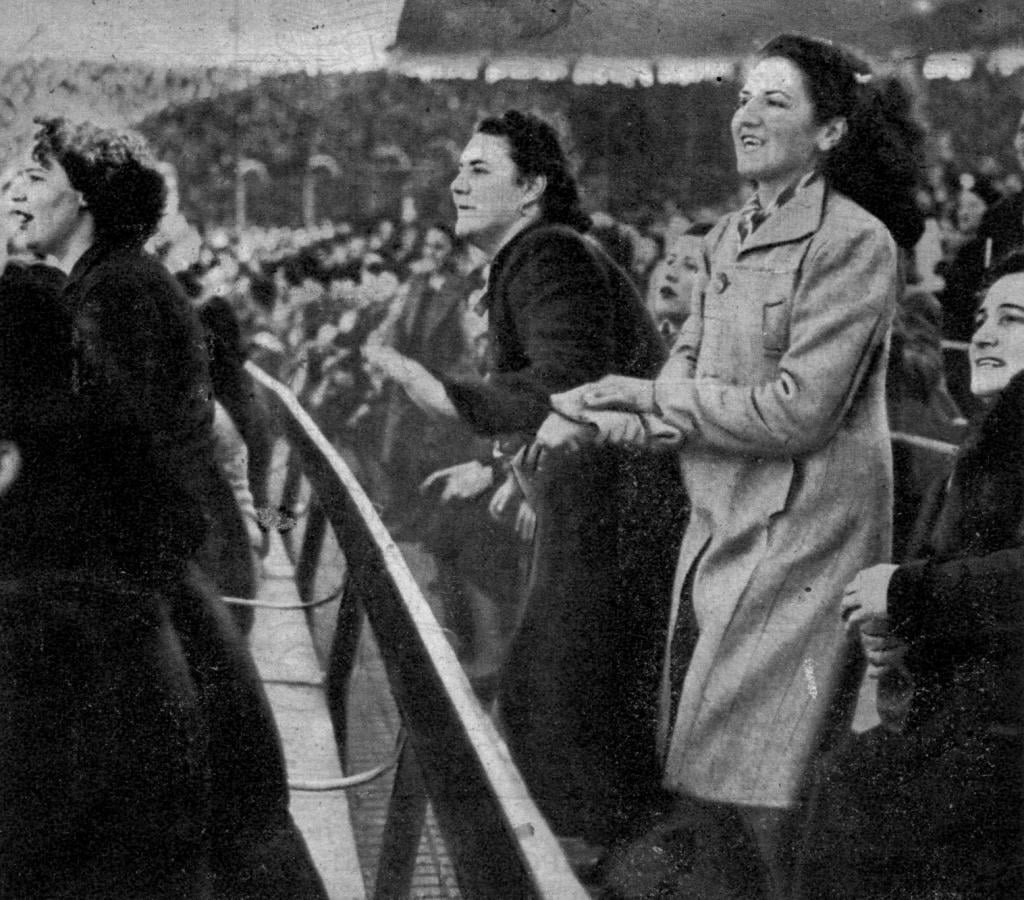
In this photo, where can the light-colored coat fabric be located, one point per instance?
(777, 386)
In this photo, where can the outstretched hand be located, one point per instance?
(463, 481)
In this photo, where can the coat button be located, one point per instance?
(721, 282)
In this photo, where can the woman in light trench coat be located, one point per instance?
(775, 396)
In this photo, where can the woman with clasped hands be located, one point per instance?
(774, 395)
(932, 806)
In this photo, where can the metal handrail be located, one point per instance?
(499, 842)
(925, 443)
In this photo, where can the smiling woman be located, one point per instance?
(929, 804)
(774, 397)
(997, 348)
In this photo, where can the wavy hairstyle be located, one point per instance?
(879, 161)
(535, 150)
(115, 172)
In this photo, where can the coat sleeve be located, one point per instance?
(841, 313)
(979, 595)
(563, 312)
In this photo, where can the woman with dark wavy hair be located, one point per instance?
(577, 691)
(930, 802)
(774, 396)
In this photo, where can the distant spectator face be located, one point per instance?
(668, 294)
(1018, 142)
(488, 193)
(49, 208)
(437, 249)
(970, 210)
(997, 347)
(10, 223)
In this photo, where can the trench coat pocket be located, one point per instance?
(775, 326)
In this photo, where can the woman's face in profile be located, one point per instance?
(47, 206)
(997, 347)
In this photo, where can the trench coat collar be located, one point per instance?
(801, 217)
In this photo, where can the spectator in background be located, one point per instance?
(966, 247)
(672, 280)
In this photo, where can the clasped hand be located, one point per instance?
(865, 613)
(619, 392)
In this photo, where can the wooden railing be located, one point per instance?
(498, 840)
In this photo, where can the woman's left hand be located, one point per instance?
(865, 599)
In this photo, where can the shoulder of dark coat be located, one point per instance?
(1006, 213)
(546, 240)
(126, 270)
(998, 441)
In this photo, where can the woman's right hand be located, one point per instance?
(865, 598)
(463, 481)
(503, 497)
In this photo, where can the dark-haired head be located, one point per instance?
(1010, 264)
(996, 350)
(878, 162)
(114, 171)
(535, 149)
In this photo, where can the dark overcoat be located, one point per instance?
(141, 364)
(935, 809)
(576, 696)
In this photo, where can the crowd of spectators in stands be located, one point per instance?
(310, 304)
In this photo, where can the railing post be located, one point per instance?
(403, 829)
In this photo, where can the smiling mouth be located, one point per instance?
(989, 362)
(748, 142)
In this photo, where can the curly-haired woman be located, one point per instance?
(88, 198)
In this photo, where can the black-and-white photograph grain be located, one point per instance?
(512, 450)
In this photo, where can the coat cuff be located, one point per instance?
(908, 601)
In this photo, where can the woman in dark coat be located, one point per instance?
(120, 512)
(930, 803)
(88, 199)
(577, 692)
